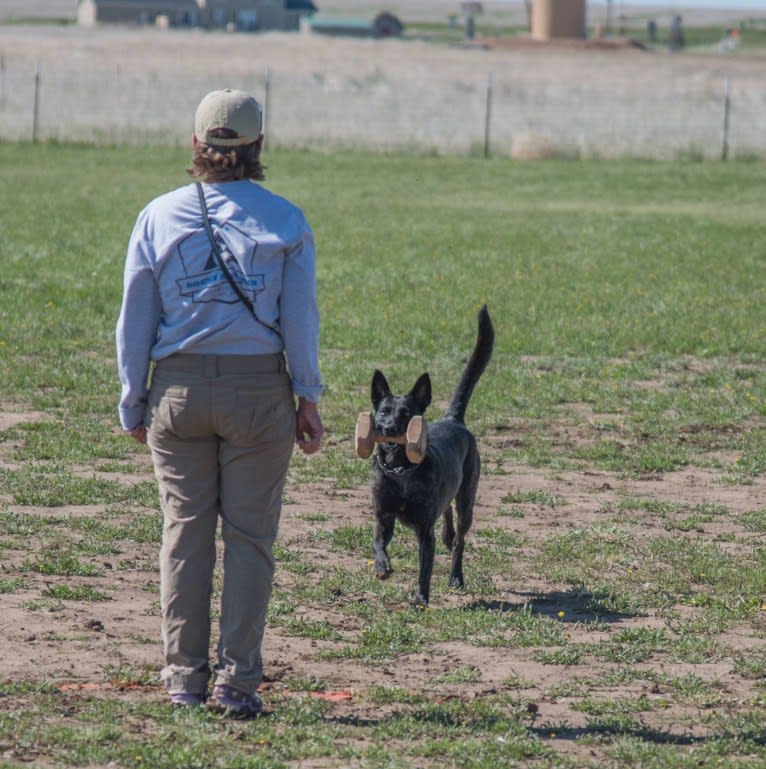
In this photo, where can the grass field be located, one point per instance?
(615, 608)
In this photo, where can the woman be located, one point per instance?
(225, 314)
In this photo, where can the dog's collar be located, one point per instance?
(394, 471)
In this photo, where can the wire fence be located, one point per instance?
(523, 105)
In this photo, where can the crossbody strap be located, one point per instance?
(222, 265)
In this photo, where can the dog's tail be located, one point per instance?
(478, 361)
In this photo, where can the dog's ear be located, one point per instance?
(379, 389)
(421, 392)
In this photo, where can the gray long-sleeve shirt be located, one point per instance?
(176, 299)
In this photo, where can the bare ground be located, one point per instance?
(83, 647)
(497, 11)
(138, 86)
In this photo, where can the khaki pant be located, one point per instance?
(221, 432)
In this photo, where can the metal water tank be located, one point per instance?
(558, 18)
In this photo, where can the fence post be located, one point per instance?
(267, 108)
(488, 115)
(726, 118)
(36, 110)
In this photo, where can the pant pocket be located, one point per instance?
(176, 410)
(262, 416)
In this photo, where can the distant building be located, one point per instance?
(212, 14)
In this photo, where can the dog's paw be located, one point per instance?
(456, 581)
(383, 571)
(419, 602)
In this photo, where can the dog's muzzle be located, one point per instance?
(415, 440)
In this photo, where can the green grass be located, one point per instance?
(75, 593)
(52, 486)
(595, 286)
(627, 299)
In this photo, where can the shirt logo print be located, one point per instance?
(210, 284)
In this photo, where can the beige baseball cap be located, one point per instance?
(231, 109)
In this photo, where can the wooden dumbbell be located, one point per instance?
(415, 440)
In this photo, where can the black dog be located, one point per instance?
(417, 494)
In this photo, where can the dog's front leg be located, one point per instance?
(427, 550)
(384, 531)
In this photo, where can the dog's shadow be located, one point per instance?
(564, 606)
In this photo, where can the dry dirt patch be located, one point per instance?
(120, 85)
(82, 646)
(10, 418)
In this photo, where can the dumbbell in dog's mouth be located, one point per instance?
(415, 439)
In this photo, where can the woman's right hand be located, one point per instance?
(308, 427)
(138, 433)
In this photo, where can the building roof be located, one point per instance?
(290, 5)
(159, 4)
